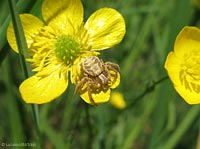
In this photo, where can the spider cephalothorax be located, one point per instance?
(96, 75)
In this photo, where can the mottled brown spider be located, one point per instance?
(96, 74)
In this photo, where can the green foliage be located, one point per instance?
(155, 116)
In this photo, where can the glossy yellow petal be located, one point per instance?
(106, 28)
(183, 65)
(117, 100)
(31, 26)
(98, 97)
(188, 40)
(115, 80)
(187, 88)
(173, 67)
(75, 72)
(191, 97)
(50, 69)
(40, 90)
(63, 15)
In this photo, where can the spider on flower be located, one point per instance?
(96, 75)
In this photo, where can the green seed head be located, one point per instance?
(67, 48)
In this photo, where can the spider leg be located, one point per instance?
(112, 66)
(80, 84)
(90, 82)
(106, 71)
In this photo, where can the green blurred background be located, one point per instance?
(156, 117)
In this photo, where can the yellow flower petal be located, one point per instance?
(173, 66)
(182, 84)
(188, 40)
(63, 15)
(117, 100)
(183, 65)
(100, 97)
(40, 90)
(75, 71)
(106, 28)
(189, 96)
(115, 80)
(31, 26)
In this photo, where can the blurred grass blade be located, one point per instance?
(24, 6)
(54, 137)
(139, 43)
(187, 122)
(137, 129)
(4, 52)
(16, 133)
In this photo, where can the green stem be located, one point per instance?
(148, 89)
(37, 126)
(23, 53)
(89, 126)
(198, 138)
(23, 6)
(20, 38)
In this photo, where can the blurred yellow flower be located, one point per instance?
(117, 100)
(58, 45)
(183, 64)
(197, 3)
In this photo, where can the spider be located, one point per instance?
(96, 75)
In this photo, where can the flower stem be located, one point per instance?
(88, 122)
(20, 38)
(23, 53)
(148, 89)
(36, 120)
(198, 138)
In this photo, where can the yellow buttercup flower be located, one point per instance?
(58, 45)
(117, 100)
(183, 64)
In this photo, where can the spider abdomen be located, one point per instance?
(92, 66)
(103, 79)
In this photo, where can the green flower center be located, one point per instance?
(67, 48)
